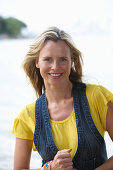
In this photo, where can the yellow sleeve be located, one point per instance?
(24, 124)
(101, 97)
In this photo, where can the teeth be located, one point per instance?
(55, 75)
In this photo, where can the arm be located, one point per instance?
(22, 154)
(108, 165)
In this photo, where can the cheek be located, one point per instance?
(69, 65)
(43, 69)
(67, 68)
(42, 72)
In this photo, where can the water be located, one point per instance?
(16, 92)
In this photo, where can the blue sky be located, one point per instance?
(81, 16)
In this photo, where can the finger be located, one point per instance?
(62, 154)
(69, 168)
(67, 159)
(68, 164)
(64, 162)
(67, 150)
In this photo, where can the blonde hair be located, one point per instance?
(29, 64)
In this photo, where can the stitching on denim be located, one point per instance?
(50, 139)
(89, 119)
(78, 123)
(37, 124)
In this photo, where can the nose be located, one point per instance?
(55, 65)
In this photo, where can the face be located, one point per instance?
(55, 62)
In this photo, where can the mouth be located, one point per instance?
(55, 75)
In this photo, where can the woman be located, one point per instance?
(66, 124)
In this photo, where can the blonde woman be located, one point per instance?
(66, 124)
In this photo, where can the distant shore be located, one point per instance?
(7, 37)
(13, 28)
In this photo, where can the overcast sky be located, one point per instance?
(81, 16)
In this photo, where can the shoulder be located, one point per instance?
(98, 97)
(98, 92)
(24, 123)
(30, 107)
(28, 112)
(91, 87)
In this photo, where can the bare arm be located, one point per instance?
(108, 165)
(22, 154)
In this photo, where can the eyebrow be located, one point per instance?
(53, 57)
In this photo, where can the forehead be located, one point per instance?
(59, 46)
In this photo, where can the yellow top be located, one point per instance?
(65, 132)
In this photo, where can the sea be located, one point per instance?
(16, 91)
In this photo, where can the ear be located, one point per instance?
(72, 62)
(37, 63)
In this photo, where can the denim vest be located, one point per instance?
(91, 150)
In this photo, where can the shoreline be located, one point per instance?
(7, 37)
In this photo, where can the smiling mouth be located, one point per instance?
(55, 75)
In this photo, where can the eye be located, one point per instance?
(63, 59)
(48, 59)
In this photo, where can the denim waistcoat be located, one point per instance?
(91, 150)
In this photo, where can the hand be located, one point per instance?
(62, 160)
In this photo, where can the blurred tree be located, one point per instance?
(2, 25)
(11, 26)
(14, 26)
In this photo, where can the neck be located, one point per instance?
(57, 94)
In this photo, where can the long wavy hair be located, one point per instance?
(29, 64)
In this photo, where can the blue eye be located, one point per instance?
(48, 59)
(63, 59)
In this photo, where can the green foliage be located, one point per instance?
(11, 26)
(2, 25)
